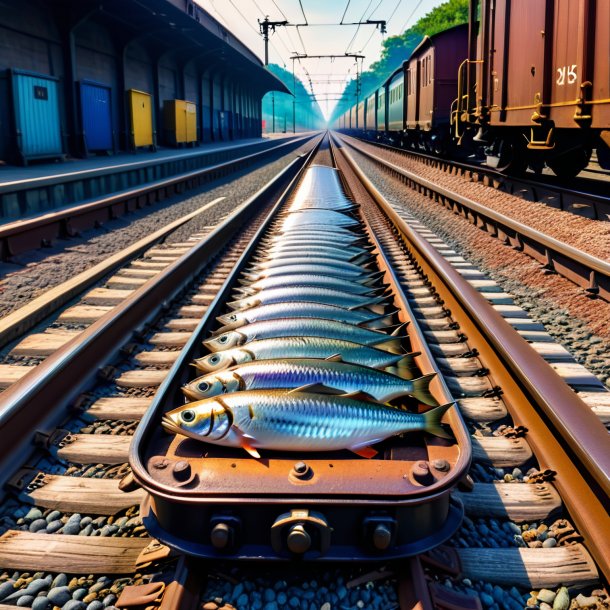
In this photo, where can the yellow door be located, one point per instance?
(191, 122)
(141, 118)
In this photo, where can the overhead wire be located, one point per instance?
(345, 12)
(402, 29)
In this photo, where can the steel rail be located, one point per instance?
(567, 437)
(513, 185)
(40, 399)
(18, 322)
(585, 270)
(28, 234)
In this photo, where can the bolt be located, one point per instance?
(160, 465)
(298, 540)
(300, 467)
(220, 536)
(382, 537)
(441, 465)
(182, 470)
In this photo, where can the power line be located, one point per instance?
(244, 18)
(345, 11)
(279, 9)
(373, 11)
(402, 29)
(303, 11)
(358, 28)
(394, 11)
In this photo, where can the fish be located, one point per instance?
(353, 286)
(311, 375)
(315, 294)
(357, 274)
(283, 420)
(285, 268)
(304, 327)
(303, 309)
(338, 251)
(308, 347)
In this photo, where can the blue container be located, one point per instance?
(36, 110)
(96, 115)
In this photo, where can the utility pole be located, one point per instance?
(294, 100)
(265, 26)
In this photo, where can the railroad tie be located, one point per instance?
(141, 379)
(530, 568)
(11, 373)
(43, 344)
(82, 495)
(95, 449)
(127, 408)
(83, 314)
(519, 502)
(70, 554)
(500, 451)
(156, 358)
(107, 296)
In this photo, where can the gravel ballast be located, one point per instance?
(579, 323)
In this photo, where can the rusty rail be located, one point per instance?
(566, 436)
(585, 270)
(540, 190)
(32, 233)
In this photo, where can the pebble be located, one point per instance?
(6, 588)
(54, 526)
(74, 604)
(79, 594)
(61, 580)
(562, 600)
(38, 525)
(208, 606)
(41, 603)
(33, 514)
(37, 585)
(71, 528)
(549, 543)
(109, 599)
(96, 604)
(25, 601)
(53, 516)
(59, 595)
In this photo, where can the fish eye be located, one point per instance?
(204, 386)
(187, 416)
(214, 359)
(233, 318)
(223, 338)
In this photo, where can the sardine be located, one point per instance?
(308, 347)
(314, 294)
(303, 327)
(282, 267)
(321, 376)
(358, 274)
(353, 286)
(297, 421)
(302, 309)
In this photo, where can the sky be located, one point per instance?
(328, 76)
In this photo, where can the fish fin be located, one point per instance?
(365, 452)
(400, 327)
(421, 390)
(245, 443)
(433, 418)
(335, 358)
(313, 387)
(374, 301)
(359, 395)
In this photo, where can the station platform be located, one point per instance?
(27, 191)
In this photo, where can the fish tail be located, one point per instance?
(432, 420)
(421, 389)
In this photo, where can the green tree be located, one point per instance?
(396, 49)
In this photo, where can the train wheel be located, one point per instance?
(570, 164)
(512, 158)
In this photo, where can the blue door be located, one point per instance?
(96, 115)
(36, 108)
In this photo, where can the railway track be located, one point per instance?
(539, 462)
(42, 230)
(549, 190)
(589, 272)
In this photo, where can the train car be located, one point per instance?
(359, 116)
(370, 113)
(381, 111)
(431, 83)
(536, 85)
(394, 88)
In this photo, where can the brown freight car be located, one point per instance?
(536, 84)
(430, 84)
